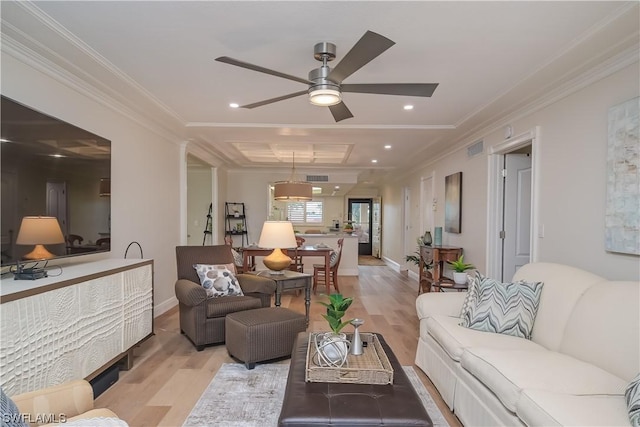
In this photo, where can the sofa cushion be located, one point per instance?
(507, 372)
(218, 280)
(454, 338)
(97, 422)
(605, 318)
(563, 286)
(632, 399)
(505, 308)
(544, 408)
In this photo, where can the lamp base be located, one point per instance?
(277, 261)
(39, 252)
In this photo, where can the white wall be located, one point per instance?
(198, 199)
(144, 175)
(572, 176)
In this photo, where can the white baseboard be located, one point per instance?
(413, 275)
(164, 306)
(394, 265)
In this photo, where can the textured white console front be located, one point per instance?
(70, 332)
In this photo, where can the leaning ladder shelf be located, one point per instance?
(236, 221)
(208, 226)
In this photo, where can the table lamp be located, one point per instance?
(39, 231)
(277, 235)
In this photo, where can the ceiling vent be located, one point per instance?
(475, 149)
(318, 178)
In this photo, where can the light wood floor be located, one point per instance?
(169, 375)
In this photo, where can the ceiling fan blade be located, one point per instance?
(408, 89)
(366, 49)
(260, 69)
(272, 100)
(340, 112)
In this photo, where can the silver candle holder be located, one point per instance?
(356, 342)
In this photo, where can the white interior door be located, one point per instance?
(409, 239)
(427, 204)
(10, 223)
(517, 214)
(57, 204)
(376, 227)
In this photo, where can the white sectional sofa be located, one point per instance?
(584, 351)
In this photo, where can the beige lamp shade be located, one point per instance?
(298, 191)
(39, 231)
(277, 235)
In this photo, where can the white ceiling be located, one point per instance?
(489, 58)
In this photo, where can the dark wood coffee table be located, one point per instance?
(349, 405)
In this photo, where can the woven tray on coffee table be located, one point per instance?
(371, 367)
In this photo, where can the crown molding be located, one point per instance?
(309, 126)
(612, 65)
(24, 48)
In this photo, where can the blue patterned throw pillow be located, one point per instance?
(504, 308)
(11, 416)
(632, 396)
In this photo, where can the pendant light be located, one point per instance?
(293, 190)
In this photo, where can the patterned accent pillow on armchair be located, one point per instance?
(218, 280)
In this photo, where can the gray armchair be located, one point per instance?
(201, 319)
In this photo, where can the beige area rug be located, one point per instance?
(237, 397)
(369, 260)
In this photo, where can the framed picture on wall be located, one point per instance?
(453, 203)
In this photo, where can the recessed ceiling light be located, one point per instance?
(337, 187)
(57, 155)
(387, 147)
(234, 105)
(374, 161)
(408, 107)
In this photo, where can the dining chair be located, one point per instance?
(328, 278)
(296, 260)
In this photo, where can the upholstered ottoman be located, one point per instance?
(262, 334)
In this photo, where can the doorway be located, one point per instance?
(516, 212)
(57, 204)
(360, 214)
(199, 202)
(513, 206)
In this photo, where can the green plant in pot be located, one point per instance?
(414, 258)
(459, 270)
(333, 347)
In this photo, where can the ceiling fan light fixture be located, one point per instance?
(325, 97)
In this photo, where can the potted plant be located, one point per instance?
(459, 267)
(414, 258)
(333, 347)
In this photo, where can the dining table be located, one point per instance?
(250, 252)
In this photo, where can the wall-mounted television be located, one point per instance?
(52, 168)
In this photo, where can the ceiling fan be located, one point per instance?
(325, 85)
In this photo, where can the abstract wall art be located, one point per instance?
(622, 213)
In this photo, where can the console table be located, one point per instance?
(74, 325)
(435, 255)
